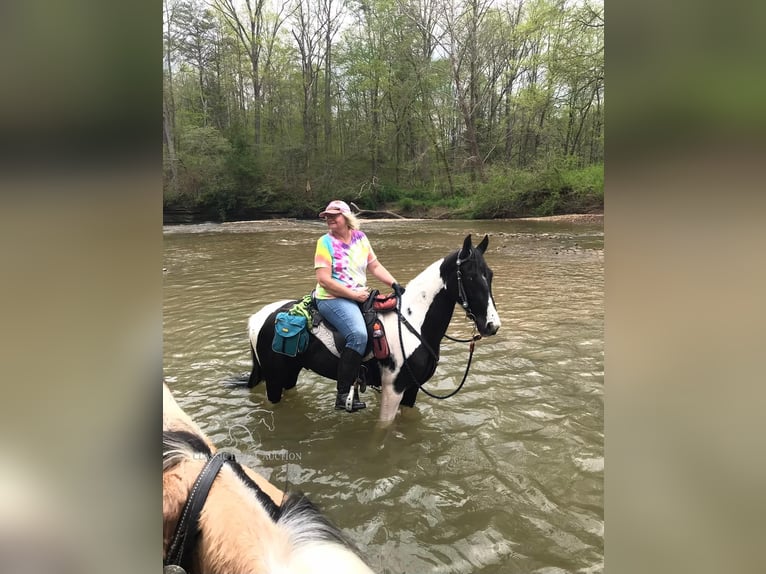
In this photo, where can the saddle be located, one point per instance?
(375, 304)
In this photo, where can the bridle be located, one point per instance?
(185, 537)
(187, 529)
(461, 296)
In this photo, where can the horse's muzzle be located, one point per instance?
(491, 329)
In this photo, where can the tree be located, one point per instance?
(376, 98)
(253, 32)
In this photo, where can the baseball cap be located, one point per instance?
(336, 206)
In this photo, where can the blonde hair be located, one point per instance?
(351, 220)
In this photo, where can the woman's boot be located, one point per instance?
(348, 369)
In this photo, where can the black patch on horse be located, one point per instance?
(271, 507)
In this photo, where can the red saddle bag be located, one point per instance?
(379, 341)
(384, 302)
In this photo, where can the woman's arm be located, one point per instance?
(324, 278)
(381, 273)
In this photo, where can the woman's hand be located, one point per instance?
(360, 295)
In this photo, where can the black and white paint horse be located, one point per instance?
(428, 303)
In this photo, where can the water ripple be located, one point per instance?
(507, 476)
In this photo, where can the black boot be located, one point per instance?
(348, 368)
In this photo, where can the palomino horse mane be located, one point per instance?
(247, 524)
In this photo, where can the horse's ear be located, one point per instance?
(482, 247)
(465, 252)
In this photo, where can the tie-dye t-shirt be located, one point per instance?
(348, 263)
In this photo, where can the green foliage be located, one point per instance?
(551, 191)
(502, 117)
(203, 159)
(588, 181)
(220, 179)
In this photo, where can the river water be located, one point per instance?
(504, 477)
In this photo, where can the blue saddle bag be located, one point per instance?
(291, 335)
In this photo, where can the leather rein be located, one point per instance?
(463, 300)
(187, 529)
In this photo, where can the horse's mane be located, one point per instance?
(306, 523)
(178, 445)
(296, 512)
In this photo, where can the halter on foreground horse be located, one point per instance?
(245, 524)
(427, 306)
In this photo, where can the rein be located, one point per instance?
(463, 300)
(187, 529)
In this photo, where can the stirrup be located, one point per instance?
(350, 398)
(353, 397)
(350, 401)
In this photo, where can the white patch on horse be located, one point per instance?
(492, 315)
(256, 321)
(416, 301)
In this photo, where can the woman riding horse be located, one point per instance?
(343, 256)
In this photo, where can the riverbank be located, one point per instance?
(572, 218)
(575, 218)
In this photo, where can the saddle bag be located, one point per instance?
(291, 335)
(376, 341)
(379, 341)
(384, 303)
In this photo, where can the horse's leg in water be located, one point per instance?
(409, 396)
(389, 400)
(282, 374)
(291, 375)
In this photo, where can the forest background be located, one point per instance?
(435, 108)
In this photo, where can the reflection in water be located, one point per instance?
(507, 476)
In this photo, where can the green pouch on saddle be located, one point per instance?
(291, 335)
(304, 308)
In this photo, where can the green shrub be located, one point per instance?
(587, 181)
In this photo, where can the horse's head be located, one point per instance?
(474, 286)
(243, 523)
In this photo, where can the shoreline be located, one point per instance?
(571, 218)
(574, 218)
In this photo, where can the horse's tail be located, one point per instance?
(254, 325)
(255, 330)
(255, 374)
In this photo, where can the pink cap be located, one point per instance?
(336, 206)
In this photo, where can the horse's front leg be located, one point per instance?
(389, 400)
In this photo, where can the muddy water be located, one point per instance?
(507, 476)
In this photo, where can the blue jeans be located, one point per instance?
(347, 318)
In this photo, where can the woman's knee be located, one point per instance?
(357, 340)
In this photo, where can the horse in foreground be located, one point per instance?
(245, 525)
(426, 309)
